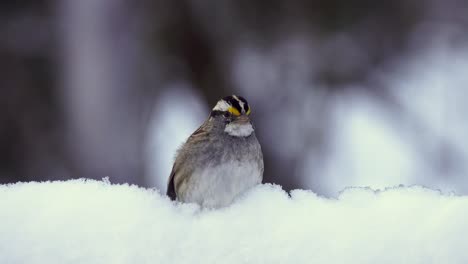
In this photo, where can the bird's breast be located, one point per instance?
(217, 185)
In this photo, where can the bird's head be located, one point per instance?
(234, 111)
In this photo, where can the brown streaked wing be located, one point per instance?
(171, 187)
(199, 135)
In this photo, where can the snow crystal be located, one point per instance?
(85, 221)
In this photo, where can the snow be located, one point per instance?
(421, 141)
(85, 221)
(367, 149)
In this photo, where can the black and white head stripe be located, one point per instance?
(244, 106)
(234, 104)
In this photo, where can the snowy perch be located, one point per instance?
(95, 222)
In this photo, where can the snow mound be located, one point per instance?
(85, 221)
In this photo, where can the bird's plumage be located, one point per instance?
(213, 166)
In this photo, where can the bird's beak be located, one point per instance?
(242, 119)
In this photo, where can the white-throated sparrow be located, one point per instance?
(220, 160)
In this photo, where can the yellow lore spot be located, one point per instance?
(248, 112)
(233, 111)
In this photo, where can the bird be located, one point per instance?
(220, 160)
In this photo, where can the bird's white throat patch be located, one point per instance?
(239, 130)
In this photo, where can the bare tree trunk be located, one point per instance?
(100, 51)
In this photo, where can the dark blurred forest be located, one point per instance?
(81, 79)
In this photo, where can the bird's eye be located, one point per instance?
(226, 114)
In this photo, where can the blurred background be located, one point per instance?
(344, 93)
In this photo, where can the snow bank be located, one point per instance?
(96, 222)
